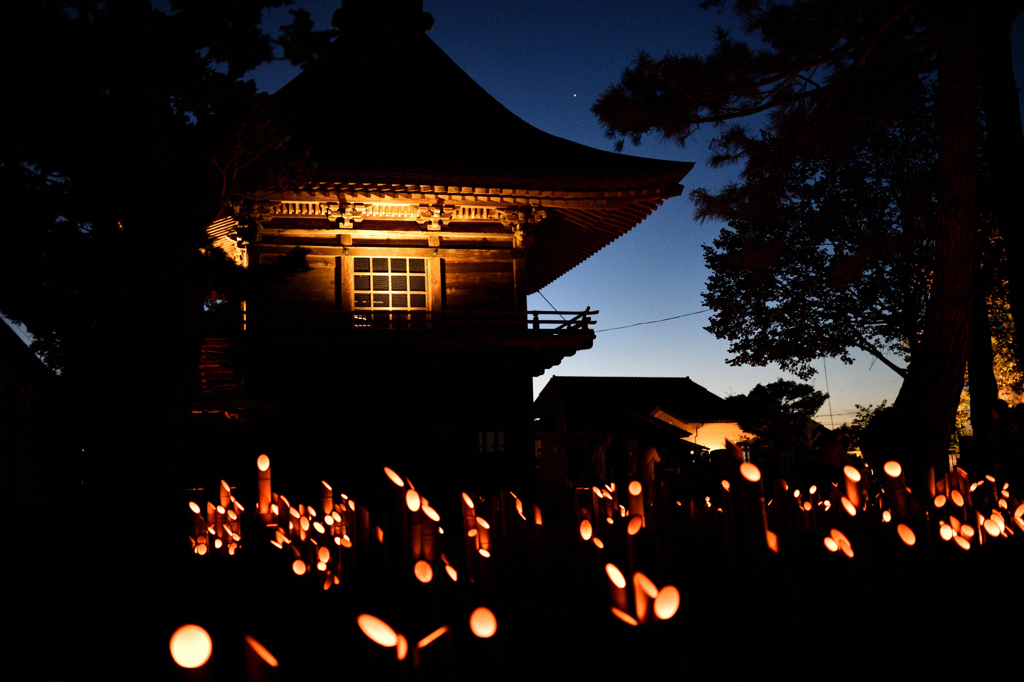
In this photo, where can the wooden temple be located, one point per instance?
(428, 214)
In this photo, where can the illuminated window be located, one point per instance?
(389, 283)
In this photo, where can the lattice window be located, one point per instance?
(389, 283)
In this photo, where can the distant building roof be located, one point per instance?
(678, 395)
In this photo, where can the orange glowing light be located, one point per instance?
(483, 623)
(1019, 511)
(749, 471)
(848, 506)
(957, 498)
(807, 505)
(431, 513)
(319, 527)
(990, 478)
(324, 554)
(813, 489)
(992, 528)
(962, 542)
(667, 602)
(624, 617)
(600, 545)
(377, 630)
(261, 650)
(194, 507)
(345, 541)
(432, 637)
(940, 501)
(892, 469)
(452, 573)
(831, 545)
(321, 566)
(202, 548)
(380, 534)
(967, 531)
(615, 575)
(635, 524)
(395, 478)
(424, 572)
(725, 485)
(402, 648)
(468, 501)
(773, 541)
(796, 494)
(886, 516)
(645, 584)
(906, 534)
(191, 646)
(946, 532)
(299, 567)
(304, 523)
(218, 543)
(847, 549)
(263, 464)
(635, 488)
(412, 500)
(586, 530)
(485, 553)
(851, 473)
(471, 533)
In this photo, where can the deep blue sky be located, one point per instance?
(548, 61)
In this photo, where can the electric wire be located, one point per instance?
(664, 319)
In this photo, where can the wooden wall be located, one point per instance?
(479, 285)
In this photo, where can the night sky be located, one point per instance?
(548, 61)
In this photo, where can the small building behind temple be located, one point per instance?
(680, 419)
(426, 214)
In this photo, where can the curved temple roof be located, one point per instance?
(387, 107)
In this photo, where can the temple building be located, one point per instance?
(427, 213)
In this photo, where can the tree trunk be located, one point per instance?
(927, 402)
(1004, 146)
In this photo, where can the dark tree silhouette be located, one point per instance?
(823, 69)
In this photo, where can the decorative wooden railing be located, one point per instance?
(543, 322)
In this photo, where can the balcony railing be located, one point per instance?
(552, 323)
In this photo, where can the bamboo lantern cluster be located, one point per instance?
(649, 604)
(220, 529)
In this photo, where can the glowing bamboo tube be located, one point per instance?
(666, 604)
(636, 500)
(853, 480)
(644, 594)
(624, 617)
(198, 523)
(191, 646)
(617, 585)
(326, 497)
(433, 636)
(482, 623)
(264, 493)
(423, 571)
(377, 630)
(586, 530)
(225, 494)
(906, 534)
(483, 534)
(261, 651)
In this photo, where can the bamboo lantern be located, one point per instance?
(264, 494)
(644, 594)
(191, 646)
(616, 586)
(636, 500)
(326, 498)
(624, 617)
(225, 494)
(258, 659)
(482, 623)
(853, 480)
(377, 630)
(666, 604)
